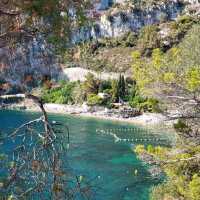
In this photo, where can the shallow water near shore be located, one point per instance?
(95, 154)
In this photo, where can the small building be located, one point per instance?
(103, 95)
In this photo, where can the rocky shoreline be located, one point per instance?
(154, 167)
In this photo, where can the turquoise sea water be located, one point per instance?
(97, 156)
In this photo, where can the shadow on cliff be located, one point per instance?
(27, 64)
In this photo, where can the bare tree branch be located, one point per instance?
(180, 160)
(40, 158)
(9, 12)
(25, 125)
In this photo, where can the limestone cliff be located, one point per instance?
(27, 62)
(126, 17)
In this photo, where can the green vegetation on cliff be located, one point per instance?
(113, 54)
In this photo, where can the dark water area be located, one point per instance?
(95, 154)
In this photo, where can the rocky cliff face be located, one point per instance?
(119, 20)
(125, 17)
(33, 57)
(26, 62)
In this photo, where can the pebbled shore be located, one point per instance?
(146, 119)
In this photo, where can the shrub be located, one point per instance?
(78, 94)
(105, 85)
(151, 105)
(180, 27)
(149, 39)
(94, 99)
(139, 149)
(182, 127)
(60, 95)
(91, 84)
(185, 19)
(150, 149)
(136, 101)
(163, 191)
(145, 104)
(194, 186)
(129, 39)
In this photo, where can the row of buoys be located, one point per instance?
(123, 129)
(133, 130)
(118, 139)
(102, 131)
(140, 140)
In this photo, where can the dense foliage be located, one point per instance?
(91, 91)
(175, 77)
(61, 94)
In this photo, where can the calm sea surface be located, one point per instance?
(95, 154)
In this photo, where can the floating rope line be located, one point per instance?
(118, 139)
(125, 130)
